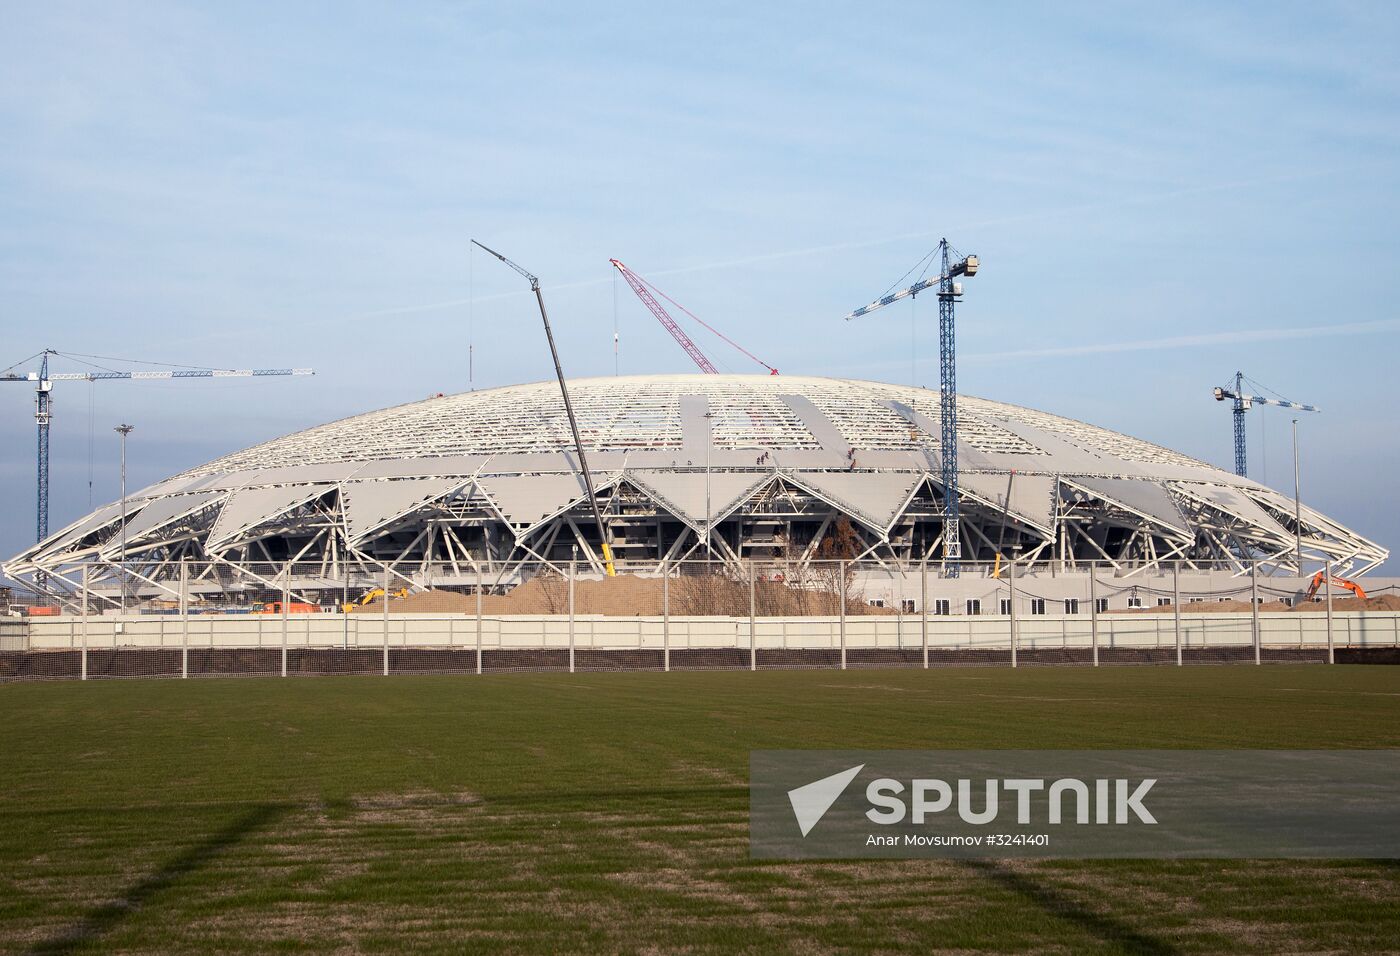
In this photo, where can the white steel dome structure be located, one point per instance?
(764, 466)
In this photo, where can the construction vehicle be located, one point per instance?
(1322, 576)
(370, 596)
(293, 607)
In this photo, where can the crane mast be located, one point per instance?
(43, 414)
(568, 410)
(951, 265)
(948, 292)
(1242, 402)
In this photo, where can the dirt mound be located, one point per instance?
(628, 595)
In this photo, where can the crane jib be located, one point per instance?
(880, 303)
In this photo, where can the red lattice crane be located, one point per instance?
(644, 290)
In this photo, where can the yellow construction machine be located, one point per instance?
(370, 596)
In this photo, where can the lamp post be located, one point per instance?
(1297, 504)
(123, 430)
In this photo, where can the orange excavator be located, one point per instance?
(1322, 576)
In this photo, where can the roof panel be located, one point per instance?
(369, 505)
(162, 511)
(691, 495)
(250, 507)
(526, 500)
(1147, 498)
(1034, 498)
(876, 498)
(1239, 504)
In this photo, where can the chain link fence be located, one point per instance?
(214, 619)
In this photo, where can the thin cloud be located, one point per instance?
(1190, 341)
(1143, 199)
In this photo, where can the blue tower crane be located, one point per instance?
(952, 265)
(43, 405)
(1242, 405)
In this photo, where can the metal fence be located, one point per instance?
(216, 619)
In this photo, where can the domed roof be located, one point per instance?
(674, 413)
(699, 447)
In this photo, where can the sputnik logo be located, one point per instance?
(811, 801)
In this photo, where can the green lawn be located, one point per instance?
(607, 812)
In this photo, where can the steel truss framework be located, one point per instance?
(724, 468)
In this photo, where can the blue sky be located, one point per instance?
(1160, 194)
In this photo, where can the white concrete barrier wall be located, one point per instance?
(1351, 628)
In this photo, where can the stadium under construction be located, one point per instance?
(727, 468)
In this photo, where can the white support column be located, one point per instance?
(1011, 605)
(1327, 586)
(841, 599)
(185, 617)
(286, 598)
(1254, 609)
(1094, 610)
(572, 572)
(386, 620)
(665, 616)
(478, 618)
(923, 609)
(753, 619)
(83, 656)
(1176, 607)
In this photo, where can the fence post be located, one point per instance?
(1176, 607)
(286, 598)
(478, 619)
(1327, 586)
(1011, 605)
(87, 568)
(1254, 609)
(571, 617)
(1094, 611)
(386, 620)
(923, 608)
(841, 597)
(665, 616)
(185, 617)
(753, 619)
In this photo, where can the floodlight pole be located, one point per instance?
(568, 409)
(1297, 504)
(123, 430)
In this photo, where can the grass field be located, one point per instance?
(603, 812)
